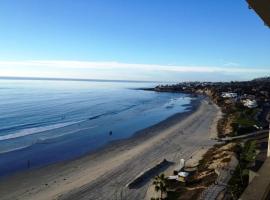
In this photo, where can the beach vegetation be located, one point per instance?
(160, 184)
(244, 121)
(240, 177)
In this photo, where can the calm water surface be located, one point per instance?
(43, 122)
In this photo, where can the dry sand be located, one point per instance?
(105, 173)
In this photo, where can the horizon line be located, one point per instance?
(100, 80)
(76, 79)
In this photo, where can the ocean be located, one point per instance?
(47, 121)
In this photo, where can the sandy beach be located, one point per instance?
(105, 173)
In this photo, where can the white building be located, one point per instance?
(228, 95)
(250, 103)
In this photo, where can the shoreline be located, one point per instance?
(189, 109)
(80, 173)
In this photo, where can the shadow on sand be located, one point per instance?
(145, 176)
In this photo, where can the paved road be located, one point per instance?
(244, 136)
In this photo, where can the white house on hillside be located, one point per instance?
(250, 103)
(228, 94)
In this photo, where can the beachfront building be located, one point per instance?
(228, 94)
(183, 176)
(250, 103)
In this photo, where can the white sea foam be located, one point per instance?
(45, 138)
(41, 140)
(31, 131)
(7, 150)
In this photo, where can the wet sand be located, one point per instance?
(105, 173)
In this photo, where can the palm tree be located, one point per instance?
(160, 185)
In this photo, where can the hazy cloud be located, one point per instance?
(119, 70)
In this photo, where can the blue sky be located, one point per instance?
(133, 39)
